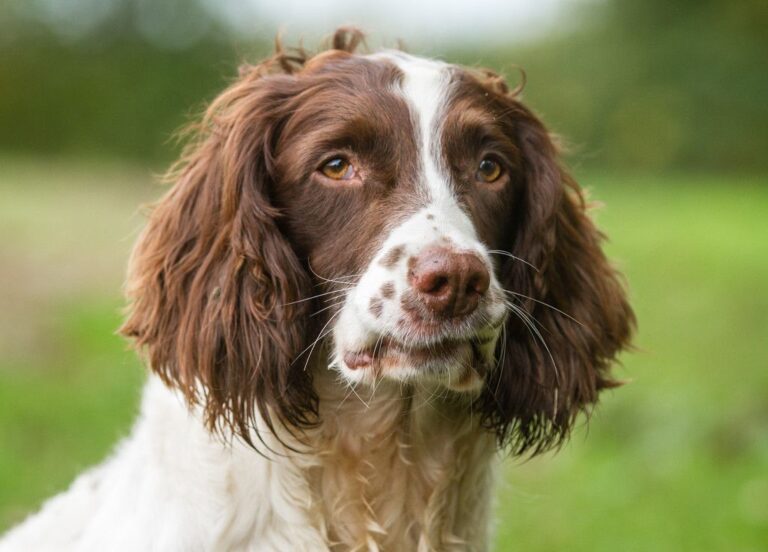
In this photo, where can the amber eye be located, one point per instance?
(338, 168)
(489, 170)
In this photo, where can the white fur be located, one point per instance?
(390, 468)
(173, 486)
(373, 485)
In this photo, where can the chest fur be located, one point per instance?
(403, 469)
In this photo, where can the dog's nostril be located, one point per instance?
(437, 286)
(479, 281)
(431, 278)
(472, 287)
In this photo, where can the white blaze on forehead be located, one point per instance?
(425, 87)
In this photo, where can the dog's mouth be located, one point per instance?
(387, 350)
(460, 362)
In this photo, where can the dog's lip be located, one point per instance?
(386, 348)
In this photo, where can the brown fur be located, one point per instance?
(248, 230)
(388, 290)
(571, 293)
(392, 256)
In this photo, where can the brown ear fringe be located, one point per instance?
(576, 302)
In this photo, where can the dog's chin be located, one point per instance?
(456, 365)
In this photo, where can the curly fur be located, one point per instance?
(247, 441)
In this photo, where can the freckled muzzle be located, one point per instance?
(422, 310)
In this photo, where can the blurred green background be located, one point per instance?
(664, 108)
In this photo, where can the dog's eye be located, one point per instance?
(338, 168)
(489, 170)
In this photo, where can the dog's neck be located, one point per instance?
(388, 469)
(391, 468)
(404, 467)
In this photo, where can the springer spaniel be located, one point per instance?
(370, 276)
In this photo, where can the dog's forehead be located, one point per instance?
(394, 106)
(426, 87)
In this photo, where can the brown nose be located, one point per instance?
(449, 283)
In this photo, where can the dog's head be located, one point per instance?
(401, 218)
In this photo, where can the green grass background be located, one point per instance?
(675, 461)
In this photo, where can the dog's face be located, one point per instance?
(397, 185)
(408, 212)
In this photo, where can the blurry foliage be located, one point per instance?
(120, 90)
(119, 98)
(642, 84)
(653, 84)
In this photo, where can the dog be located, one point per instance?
(370, 276)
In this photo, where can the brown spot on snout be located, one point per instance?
(430, 216)
(388, 290)
(393, 255)
(376, 306)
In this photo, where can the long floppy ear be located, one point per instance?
(569, 316)
(213, 283)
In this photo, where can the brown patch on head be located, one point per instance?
(430, 216)
(536, 211)
(376, 306)
(392, 256)
(388, 290)
(347, 106)
(248, 216)
(316, 62)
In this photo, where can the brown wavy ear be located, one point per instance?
(569, 316)
(212, 281)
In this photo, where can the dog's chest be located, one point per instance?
(402, 471)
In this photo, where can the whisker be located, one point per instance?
(349, 385)
(336, 291)
(320, 336)
(502, 356)
(511, 256)
(554, 308)
(332, 280)
(367, 406)
(529, 323)
(379, 342)
(336, 304)
(426, 396)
